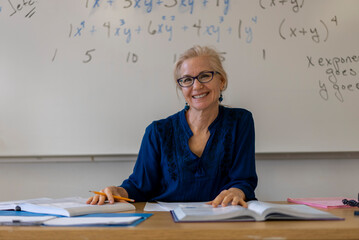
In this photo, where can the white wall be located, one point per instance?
(278, 179)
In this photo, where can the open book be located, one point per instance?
(257, 211)
(68, 207)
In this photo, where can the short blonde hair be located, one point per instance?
(202, 51)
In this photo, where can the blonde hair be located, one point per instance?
(202, 51)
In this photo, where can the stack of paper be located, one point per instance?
(48, 212)
(116, 220)
(329, 202)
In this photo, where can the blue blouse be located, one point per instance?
(167, 170)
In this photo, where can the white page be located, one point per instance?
(32, 200)
(10, 205)
(154, 207)
(80, 221)
(70, 202)
(263, 207)
(296, 210)
(208, 210)
(258, 207)
(208, 213)
(172, 205)
(25, 219)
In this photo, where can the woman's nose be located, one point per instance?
(197, 84)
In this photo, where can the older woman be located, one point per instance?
(204, 152)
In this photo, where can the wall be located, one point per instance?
(278, 178)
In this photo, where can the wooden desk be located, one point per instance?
(161, 226)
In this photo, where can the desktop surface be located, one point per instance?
(161, 226)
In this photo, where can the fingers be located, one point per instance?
(97, 199)
(93, 200)
(243, 203)
(89, 200)
(219, 199)
(100, 199)
(224, 198)
(233, 196)
(238, 200)
(109, 194)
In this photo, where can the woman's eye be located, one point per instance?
(204, 76)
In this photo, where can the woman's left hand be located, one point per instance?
(233, 196)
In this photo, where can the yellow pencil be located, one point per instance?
(114, 196)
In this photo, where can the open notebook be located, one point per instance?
(73, 206)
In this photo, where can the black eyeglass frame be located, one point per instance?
(196, 77)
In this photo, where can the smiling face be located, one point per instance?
(201, 96)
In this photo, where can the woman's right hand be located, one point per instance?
(110, 192)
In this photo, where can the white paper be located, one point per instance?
(168, 206)
(25, 219)
(82, 221)
(10, 205)
(154, 207)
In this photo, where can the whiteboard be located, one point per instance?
(86, 77)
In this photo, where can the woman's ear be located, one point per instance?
(223, 83)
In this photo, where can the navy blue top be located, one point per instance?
(167, 170)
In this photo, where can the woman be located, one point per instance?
(204, 152)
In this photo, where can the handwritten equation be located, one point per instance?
(150, 5)
(166, 27)
(26, 8)
(179, 23)
(295, 5)
(341, 76)
(317, 33)
(211, 21)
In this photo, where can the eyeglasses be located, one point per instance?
(203, 77)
